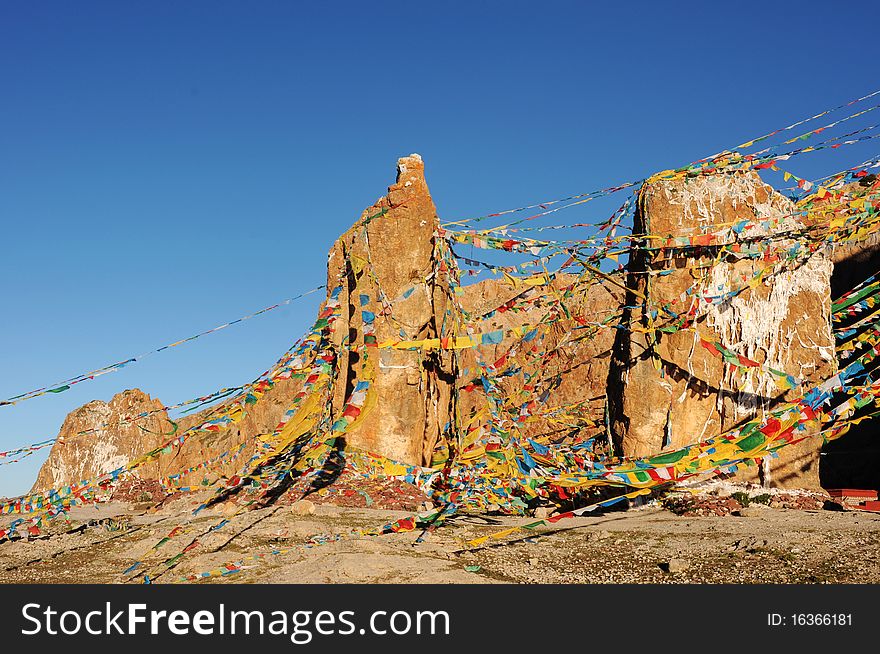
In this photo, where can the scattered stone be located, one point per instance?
(748, 545)
(353, 491)
(715, 503)
(595, 536)
(802, 501)
(138, 491)
(674, 566)
(699, 506)
(229, 508)
(303, 507)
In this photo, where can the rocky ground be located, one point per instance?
(314, 542)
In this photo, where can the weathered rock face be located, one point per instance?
(395, 286)
(566, 364)
(665, 390)
(230, 448)
(395, 240)
(394, 289)
(116, 439)
(112, 439)
(406, 296)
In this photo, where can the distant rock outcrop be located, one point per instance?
(99, 437)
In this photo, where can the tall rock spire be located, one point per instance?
(393, 288)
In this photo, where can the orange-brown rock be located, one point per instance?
(260, 418)
(388, 266)
(666, 391)
(390, 252)
(99, 437)
(568, 361)
(395, 286)
(114, 438)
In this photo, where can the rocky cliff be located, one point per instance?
(394, 287)
(101, 436)
(397, 283)
(668, 390)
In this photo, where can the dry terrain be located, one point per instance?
(648, 544)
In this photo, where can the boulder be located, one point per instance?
(665, 390)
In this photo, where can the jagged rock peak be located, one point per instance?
(99, 437)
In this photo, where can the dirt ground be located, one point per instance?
(277, 545)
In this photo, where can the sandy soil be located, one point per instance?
(645, 545)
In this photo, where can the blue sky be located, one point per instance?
(166, 167)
